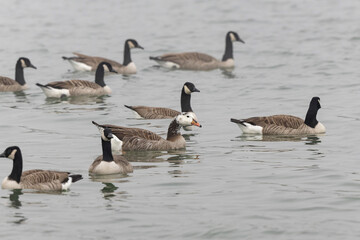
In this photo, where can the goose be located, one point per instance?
(19, 84)
(140, 139)
(108, 163)
(161, 113)
(284, 124)
(89, 63)
(43, 180)
(200, 61)
(68, 88)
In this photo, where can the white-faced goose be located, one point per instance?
(69, 88)
(140, 139)
(284, 124)
(19, 84)
(88, 63)
(200, 61)
(108, 163)
(43, 180)
(161, 113)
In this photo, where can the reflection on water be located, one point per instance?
(108, 190)
(228, 73)
(109, 178)
(14, 198)
(309, 139)
(21, 97)
(78, 100)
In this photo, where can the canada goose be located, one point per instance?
(44, 180)
(284, 124)
(141, 139)
(88, 63)
(107, 163)
(80, 87)
(200, 61)
(161, 113)
(19, 84)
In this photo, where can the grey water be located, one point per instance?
(225, 185)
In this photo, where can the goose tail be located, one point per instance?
(237, 121)
(40, 85)
(130, 107)
(76, 177)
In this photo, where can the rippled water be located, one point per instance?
(224, 185)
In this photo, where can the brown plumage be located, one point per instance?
(108, 163)
(94, 62)
(89, 63)
(10, 85)
(80, 87)
(284, 124)
(19, 84)
(200, 61)
(141, 139)
(154, 112)
(44, 180)
(161, 113)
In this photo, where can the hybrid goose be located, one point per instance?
(69, 88)
(284, 124)
(19, 84)
(200, 61)
(88, 63)
(161, 113)
(141, 139)
(43, 180)
(108, 163)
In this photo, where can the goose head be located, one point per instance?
(106, 134)
(315, 103)
(234, 37)
(190, 88)
(132, 43)
(107, 67)
(25, 62)
(10, 152)
(186, 119)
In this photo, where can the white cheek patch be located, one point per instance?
(23, 64)
(131, 45)
(187, 90)
(106, 69)
(12, 155)
(232, 37)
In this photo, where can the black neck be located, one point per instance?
(310, 119)
(17, 167)
(127, 56)
(19, 73)
(99, 76)
(228, 49)
(185, 102)
(173, 130)
(107, 154)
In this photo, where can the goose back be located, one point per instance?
(10, 85)
(154, 112)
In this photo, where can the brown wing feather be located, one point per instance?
(286, 121)
(154, 112)
(121, 132)
(7, 81)
(73, 84)
(94, 61)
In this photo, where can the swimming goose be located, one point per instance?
(88, 63)
(141, 139)
(109, 163)
(284, 124)
(200, 61)
(44, 180)
(161, 113)
(59, 89)
(19, 84)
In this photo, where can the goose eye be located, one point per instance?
(187, 116)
